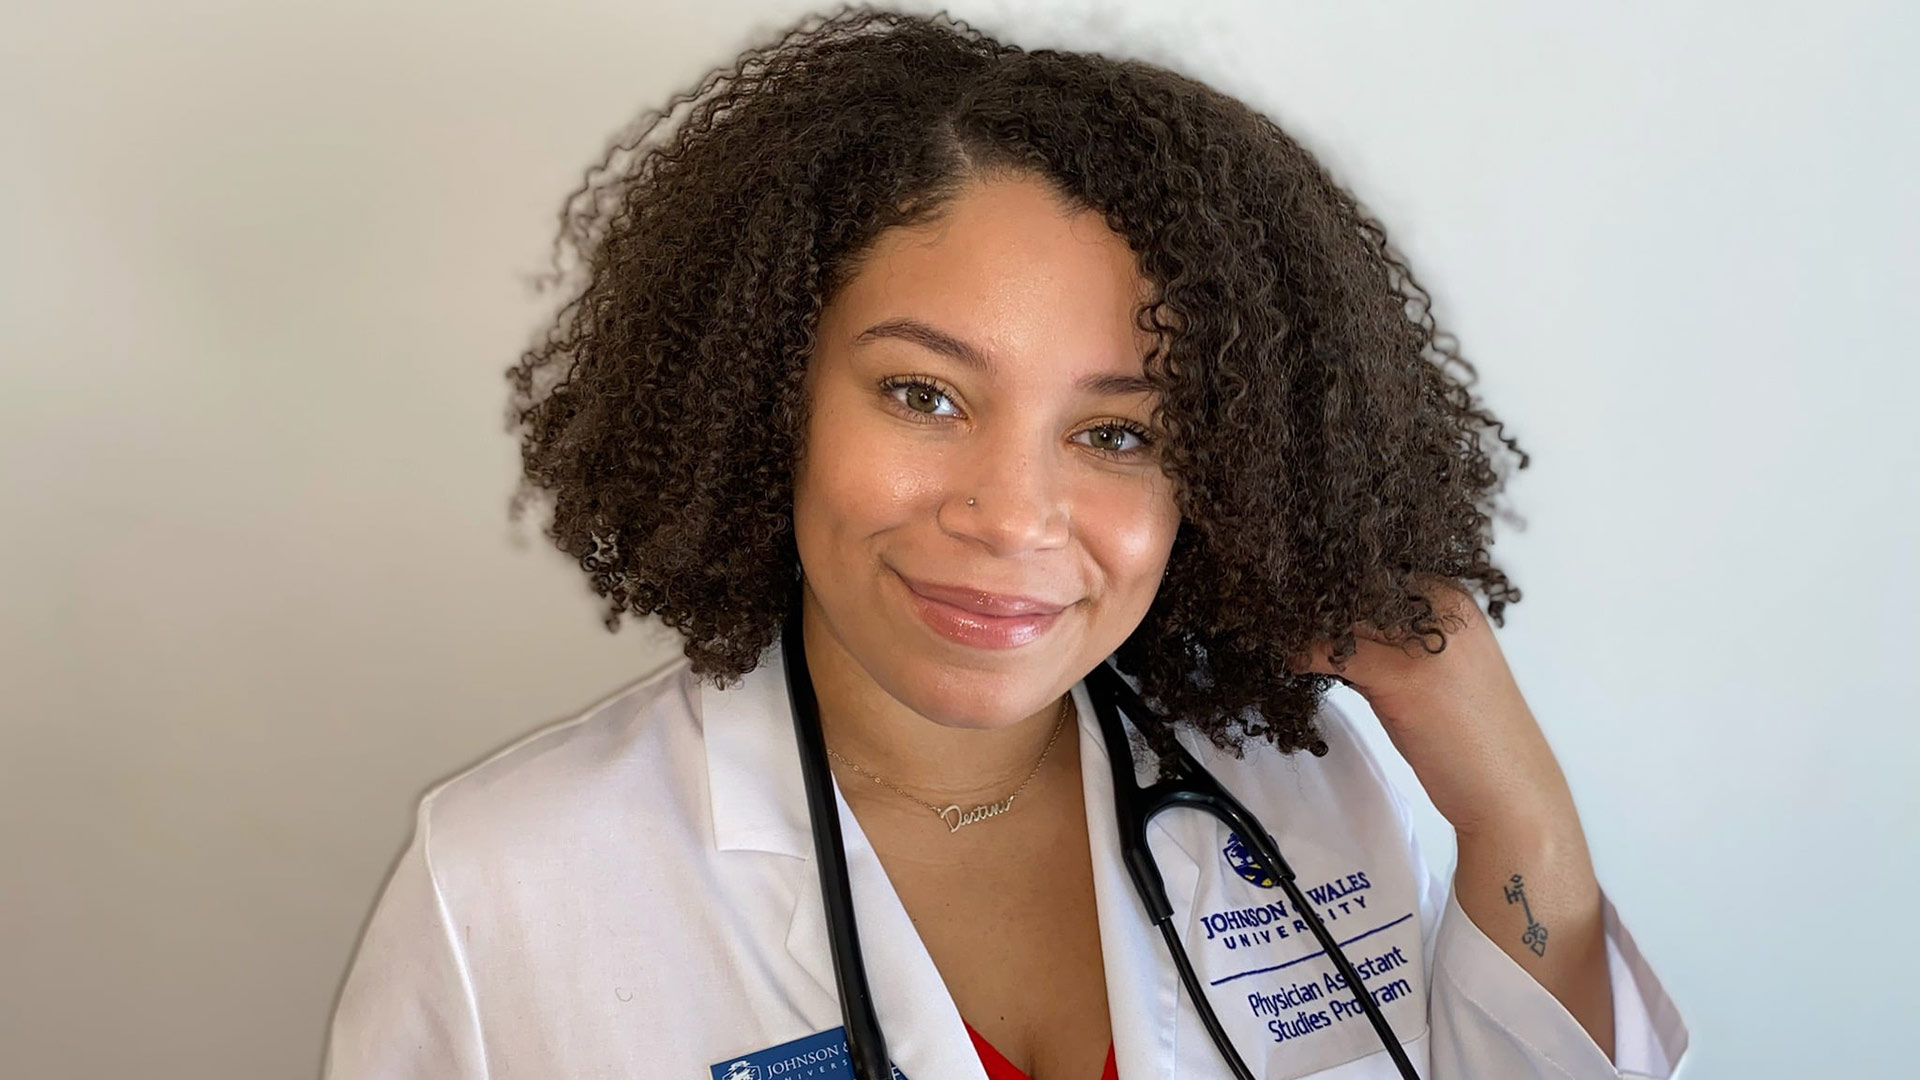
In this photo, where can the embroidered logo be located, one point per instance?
(1244, 863)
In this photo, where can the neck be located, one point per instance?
(942, 763)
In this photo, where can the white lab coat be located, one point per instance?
(632, 893)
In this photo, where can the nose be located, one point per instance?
(1019, 492)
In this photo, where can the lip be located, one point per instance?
(967, 626)
(981, 602)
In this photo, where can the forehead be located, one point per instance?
(1009, 267)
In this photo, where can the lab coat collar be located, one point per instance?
(758, 797)
(758, 802)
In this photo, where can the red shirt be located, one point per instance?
(999, 1068)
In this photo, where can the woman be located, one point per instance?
(987, 366)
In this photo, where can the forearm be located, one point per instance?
(1526, 880)
(1513, 817)
(1523, 875)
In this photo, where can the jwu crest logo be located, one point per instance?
(1245, 864)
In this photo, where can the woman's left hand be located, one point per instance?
(1457, 716)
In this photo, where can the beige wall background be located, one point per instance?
(261, 266)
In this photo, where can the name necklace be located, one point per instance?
(952, 814)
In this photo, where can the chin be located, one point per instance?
(963, 698)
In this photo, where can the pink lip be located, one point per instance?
(957, 614)
(980, 602)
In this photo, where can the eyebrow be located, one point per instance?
(907, 328)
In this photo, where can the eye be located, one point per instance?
(920, 394)
(1114, 434)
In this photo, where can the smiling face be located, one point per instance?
(990, 354)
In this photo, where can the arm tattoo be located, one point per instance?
(1536, 936)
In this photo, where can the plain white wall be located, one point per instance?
(261, 267)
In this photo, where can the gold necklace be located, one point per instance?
(952, 814)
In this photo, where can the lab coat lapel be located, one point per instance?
(758, 802)
(925, 1034)
(1144, 995)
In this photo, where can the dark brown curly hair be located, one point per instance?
(1326, 453)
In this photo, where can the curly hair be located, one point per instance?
(1326, 453)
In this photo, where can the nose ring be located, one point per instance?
(969, 502)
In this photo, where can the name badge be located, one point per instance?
(820, 1056)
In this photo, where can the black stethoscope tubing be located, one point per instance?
(1184, 783)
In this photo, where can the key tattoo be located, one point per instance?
(1536, 936)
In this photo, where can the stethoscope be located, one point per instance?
(1183, 783)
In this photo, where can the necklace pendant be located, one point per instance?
(955, 817)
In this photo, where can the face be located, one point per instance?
(992, 355)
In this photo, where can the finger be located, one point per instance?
(1316, 660)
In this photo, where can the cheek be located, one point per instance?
(858, 476)
(1132, 536)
